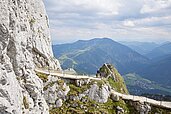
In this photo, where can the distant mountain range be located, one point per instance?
(141, 47)
(160, 51)
(88, 56)
(159, 70)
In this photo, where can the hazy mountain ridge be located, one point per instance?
(141, 47)
(159, 64)
(159, 70)
(162, 50)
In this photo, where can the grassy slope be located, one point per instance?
(119, 85)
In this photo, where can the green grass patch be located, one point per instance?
(90, 107)
(42, 76)
(25, 102)
(74, 90)
(59, 82)
(159, 110)
(118, 86)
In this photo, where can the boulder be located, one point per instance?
(99, 94)
(59, 103)
(114, 97)
(119, 110)
(55, 91)
(142, 108)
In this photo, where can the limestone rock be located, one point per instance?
(119, 110)
(59, 103)
(24, 45)
(142, 108)
(108, 71)
(145, 109)
(114, 97)
(99, 94)
(81, 82)
(55, 90)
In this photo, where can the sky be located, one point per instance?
(120, 20)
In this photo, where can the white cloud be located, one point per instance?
(143, 20)
(149, 22)
(128, 23)
(155, 5)
(99, 7)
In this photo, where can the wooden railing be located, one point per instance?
(64, 75)
(163, 104)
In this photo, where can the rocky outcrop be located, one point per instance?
(99, 94)
(55, 91)
(119, 110)
(59, 103)
(24, 44)
(108, 71)
(141, 108)
(115, 97)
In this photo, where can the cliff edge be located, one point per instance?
(24, 44)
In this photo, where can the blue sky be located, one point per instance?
(121, 20)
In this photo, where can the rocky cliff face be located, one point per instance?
(24, 45)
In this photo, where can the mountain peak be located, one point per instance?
(87, 56)
(102, 39)
(96, 39)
